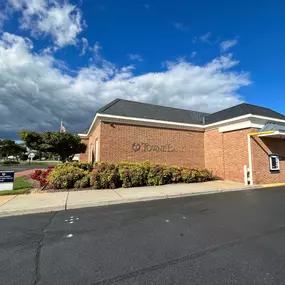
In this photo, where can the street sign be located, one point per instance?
(6, 180)
(31, 155)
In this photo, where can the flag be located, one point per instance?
(62, 128)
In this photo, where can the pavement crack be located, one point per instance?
(65, 206)
(39, 248)
(186, 258)
(118, 194)
(8, 201)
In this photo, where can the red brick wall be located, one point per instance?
(173, 147)
(84, 156)
(227, 153)
(90, 142)
(261, 148)
(235, 154)
(214, 156)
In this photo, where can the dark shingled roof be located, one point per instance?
(240, 110)
(126, 108)
(120, 107)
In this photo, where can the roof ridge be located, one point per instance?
(227, 108)
(105, 107)
(162, 106)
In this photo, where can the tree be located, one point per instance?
(66, 145)
(10, 148)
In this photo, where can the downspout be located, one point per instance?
(249, 152)
(249, 160)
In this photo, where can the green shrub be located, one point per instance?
(84, 182)
(204, 175)
(105, 176)
(189, 175)
(82, 165)
(196, 175)
(133, 174)
(64, 175)
(159, 175)
(176, 174)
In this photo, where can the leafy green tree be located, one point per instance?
(63, 144)
(10, 148)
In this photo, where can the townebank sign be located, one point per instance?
(152, 147)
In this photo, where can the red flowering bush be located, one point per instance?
(41, 175)
(37, 175)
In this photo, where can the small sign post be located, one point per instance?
(6, 180)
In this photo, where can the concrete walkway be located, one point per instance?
(46, 202)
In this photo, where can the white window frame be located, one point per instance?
(271, 168)
(96, 150)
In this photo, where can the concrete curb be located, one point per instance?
(16, 212)
(67, 206)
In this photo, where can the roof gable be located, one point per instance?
(241, 110)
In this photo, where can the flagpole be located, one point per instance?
(60, 125)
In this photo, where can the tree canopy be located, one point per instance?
(10, 148)
(66, 145)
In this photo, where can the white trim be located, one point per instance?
(93, 122)
(83, 135)
(96, 150)
(245, 175)
(150, 121)
(277, 162)
(244, 117)
(229, 121)
(249, 159)
(268, 119)
(239, 126)
(99, 115)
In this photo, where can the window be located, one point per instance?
(274, 163)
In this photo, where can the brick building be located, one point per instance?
(244, 143)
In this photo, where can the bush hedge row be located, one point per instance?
(106, 175)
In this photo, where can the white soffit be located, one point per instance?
(252, 123)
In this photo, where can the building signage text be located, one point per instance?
(146, 147)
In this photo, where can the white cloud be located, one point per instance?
(193, 54)
(85, 46)
(134, 56)
(206, 38)
(36, 90)
(59, 19)
(180, 26)
(225, 45)
(147, 6)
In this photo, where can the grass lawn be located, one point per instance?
(21, 186)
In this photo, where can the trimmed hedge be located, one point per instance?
(70, 175)
(109, 175)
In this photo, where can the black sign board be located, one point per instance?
(6, 176)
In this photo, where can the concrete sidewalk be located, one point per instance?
(46, 202)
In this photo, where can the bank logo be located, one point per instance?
(136, 147)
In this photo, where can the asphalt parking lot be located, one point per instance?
(227, 238)
(19, 168)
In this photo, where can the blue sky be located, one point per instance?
(68, 58)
